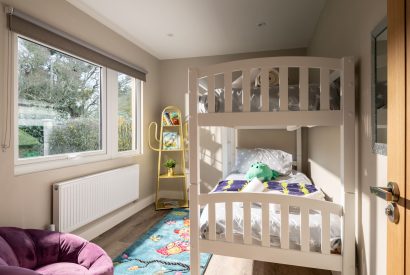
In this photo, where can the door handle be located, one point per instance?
(392, 212)
(390, 193)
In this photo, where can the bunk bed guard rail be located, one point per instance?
(298, 90)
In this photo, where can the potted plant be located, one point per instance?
(170, 165)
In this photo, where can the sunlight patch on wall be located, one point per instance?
(326, 180)
(211, 157)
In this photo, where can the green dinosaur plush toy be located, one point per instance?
(261, 171)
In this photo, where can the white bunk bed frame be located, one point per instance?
(345, 118)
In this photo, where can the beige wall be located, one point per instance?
(25, 201)
(174, 86)
(268, 138)
(324, 160)
(344, 30)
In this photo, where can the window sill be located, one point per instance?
(131, 153)
(47, 165)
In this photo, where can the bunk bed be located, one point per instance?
(267, 93)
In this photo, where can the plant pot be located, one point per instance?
(170, 172)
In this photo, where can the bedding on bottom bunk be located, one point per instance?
(294, 184)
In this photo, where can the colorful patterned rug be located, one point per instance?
(164, 249)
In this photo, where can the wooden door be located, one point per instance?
(396, 131)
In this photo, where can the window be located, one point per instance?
(59, 102)
(128, 91)
(62, 113)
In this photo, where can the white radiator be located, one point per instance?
(80, 201)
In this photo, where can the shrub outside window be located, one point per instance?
(59, 102)
(127, 112)
(62, 112)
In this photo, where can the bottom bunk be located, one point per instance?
(283, 221)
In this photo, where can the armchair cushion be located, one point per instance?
(48, 252)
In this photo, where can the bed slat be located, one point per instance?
(324, 89)
(247, 227)
(283, 88)
(304, 88)
(325, 232)
(228, 91)
(211, 221)
(229, 225)
(265, 89)
(265, 225)
(246, 90)
(284, 226)
(211, 94)
(304, 229)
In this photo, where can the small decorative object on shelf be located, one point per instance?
(170, 165)
(166, 119)
(171, 118)
(175, 118)
(170, 142)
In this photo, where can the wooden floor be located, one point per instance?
(117, 239)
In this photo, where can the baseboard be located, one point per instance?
(107, 222)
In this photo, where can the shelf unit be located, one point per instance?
(171, 147)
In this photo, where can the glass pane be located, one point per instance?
(126, 99)
(59, 102)
(380, 86)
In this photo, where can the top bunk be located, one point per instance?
(273, 92)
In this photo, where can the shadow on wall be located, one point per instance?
(324, 160)
(211, 157)
(372, 170)
(324, 168)
(368, 218)
(369, 215)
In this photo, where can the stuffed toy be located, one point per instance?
(261, 171)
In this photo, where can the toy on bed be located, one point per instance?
(261, 171)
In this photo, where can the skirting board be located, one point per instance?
(107, 222)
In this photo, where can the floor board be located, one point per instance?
(117, 239)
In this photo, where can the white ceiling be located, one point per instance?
(186, 28)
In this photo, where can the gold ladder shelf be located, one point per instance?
(171, 144)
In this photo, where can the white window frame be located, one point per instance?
(137, 116)
(109, 124)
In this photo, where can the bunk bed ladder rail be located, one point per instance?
(218, 246)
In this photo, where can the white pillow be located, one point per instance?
(277, 160)
(254, 185)
(318, 195)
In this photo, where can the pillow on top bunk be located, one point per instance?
(277, 160)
